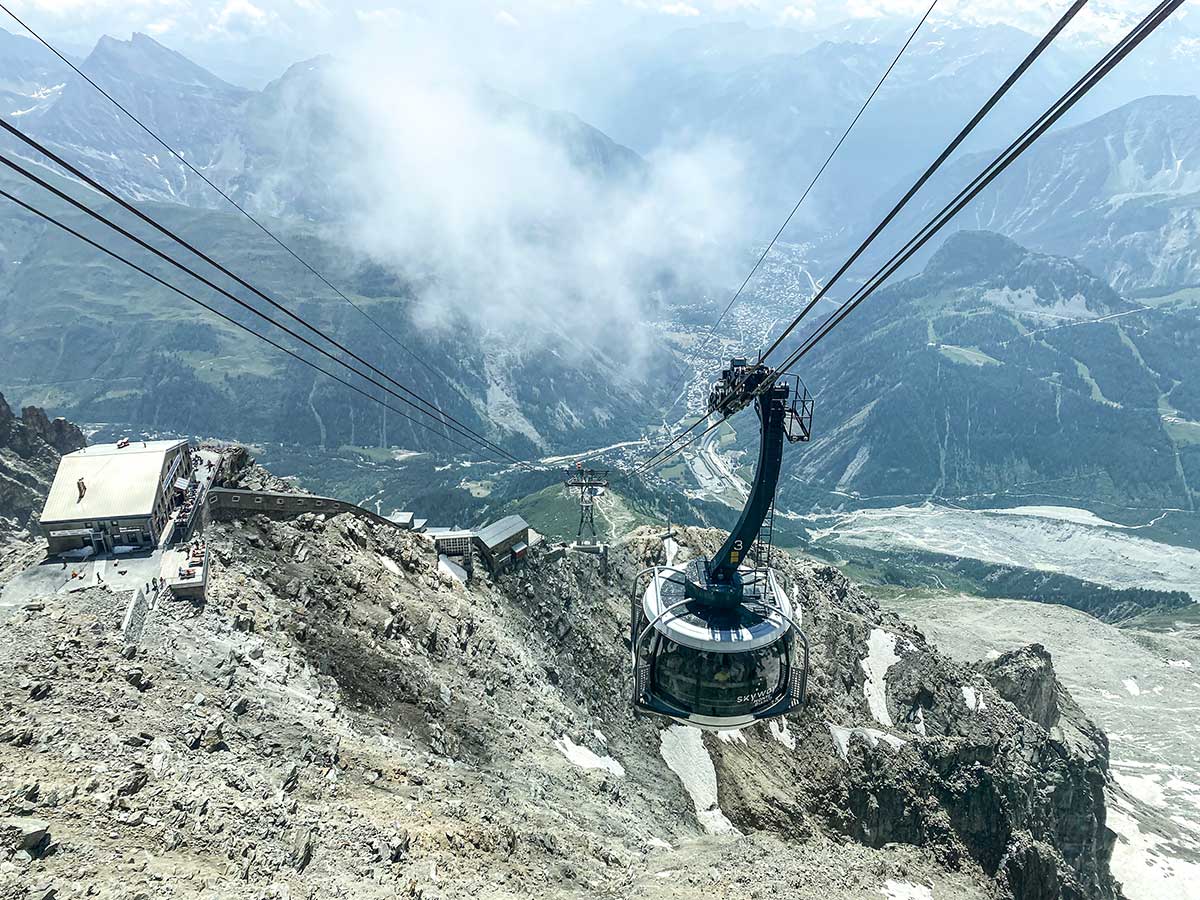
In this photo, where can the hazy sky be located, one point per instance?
(253, 39)
(487, 211)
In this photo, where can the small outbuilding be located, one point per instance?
(504, 543)
(403, 519)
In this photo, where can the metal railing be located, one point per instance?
(638, 642)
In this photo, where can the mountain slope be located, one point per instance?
(282, 151)
(1000, 374)
(30, 76)
(784, 98)
(1120, 194)
(96, 341)
(189, 107)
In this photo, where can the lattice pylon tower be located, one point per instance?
(589, 482)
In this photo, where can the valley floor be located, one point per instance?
(1059, 539)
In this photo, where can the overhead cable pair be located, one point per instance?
(1055, 112)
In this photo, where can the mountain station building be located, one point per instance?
(504, 543)
(115, 495)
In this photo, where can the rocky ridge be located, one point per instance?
(341, 718)
(238, 469)
(30, 447)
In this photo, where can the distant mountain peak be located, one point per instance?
(143, 56)
(1153, 103)
(966, 253)
(1005, 270)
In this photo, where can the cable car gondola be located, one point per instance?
(718, 643)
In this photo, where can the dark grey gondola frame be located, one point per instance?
(646, 702)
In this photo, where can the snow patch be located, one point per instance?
(1131, 685)
(779, 731)
(388, 564)
(905, 890)
(973, 700)
(586, 759)
(841, 736)
(1147, 872)
(684, 753)
(447, 566)
(731, 736)
(1179, 663)
(881, 656)
(1144, 787)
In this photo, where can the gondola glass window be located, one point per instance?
(720, 684)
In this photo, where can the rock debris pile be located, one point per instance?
(341, 720)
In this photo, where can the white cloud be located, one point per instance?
(240, 16)
(479, 201)
(679, 9)
(504, 17)
(388, 16)
(91, 9)
(798, 14)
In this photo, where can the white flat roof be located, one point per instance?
(121, 482)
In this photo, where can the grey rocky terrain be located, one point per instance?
(340, 719)
(238, 469)
(1140, 683)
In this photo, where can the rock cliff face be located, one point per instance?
(342, 716)
(30, 448)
